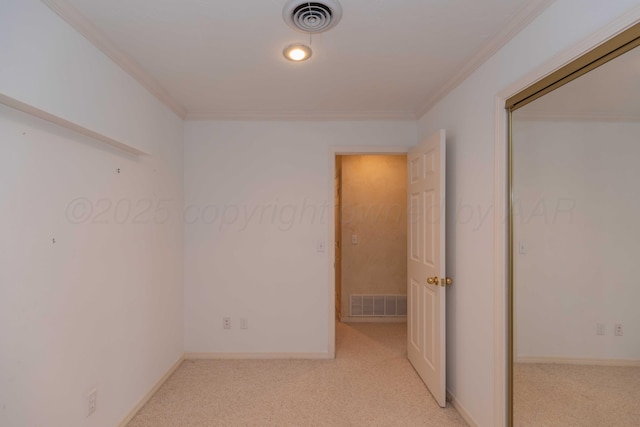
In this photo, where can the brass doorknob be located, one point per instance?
(432, 280)
(446, 282)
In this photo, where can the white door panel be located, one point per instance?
(426, 260)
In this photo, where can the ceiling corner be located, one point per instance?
(300, 115)
(523, 17)
(78, 22)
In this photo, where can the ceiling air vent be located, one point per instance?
(312, 17)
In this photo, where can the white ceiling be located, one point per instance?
(221, 59)
(610, 92)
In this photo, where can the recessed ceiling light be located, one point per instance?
(297, 52)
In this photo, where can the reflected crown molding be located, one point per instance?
(577, 116)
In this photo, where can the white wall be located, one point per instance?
(257, 198)
(102, 307)
(47, 65)
(576, 187)
(467, 113)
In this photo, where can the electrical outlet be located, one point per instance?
(226, 322)
(92, 401)
(617, 331)
(600, 329)
(244, 323)
(354, 239)
(320, 246)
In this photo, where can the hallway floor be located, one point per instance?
(370, 383)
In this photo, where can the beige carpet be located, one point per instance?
(570, 395)
(370, 383)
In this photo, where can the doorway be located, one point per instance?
(425, 254)
(333, 154)
(370, 237)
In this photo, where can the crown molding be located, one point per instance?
(583, 116)
(76, 20)
(82, 25)
(523, 17)
(299, 115)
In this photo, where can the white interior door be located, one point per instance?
(426, 263)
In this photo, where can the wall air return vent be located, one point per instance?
(312, 16)
(378, 305)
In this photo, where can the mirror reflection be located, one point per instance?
(576, 189)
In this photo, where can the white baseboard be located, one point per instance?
(461, 410)
(132, 413)
(373, 319)
(579, 361)
(257, 356)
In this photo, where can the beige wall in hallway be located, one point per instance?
(374, 192)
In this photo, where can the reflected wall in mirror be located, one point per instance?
(576, 284)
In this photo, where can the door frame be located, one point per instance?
(503, 314)
(333, 152)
